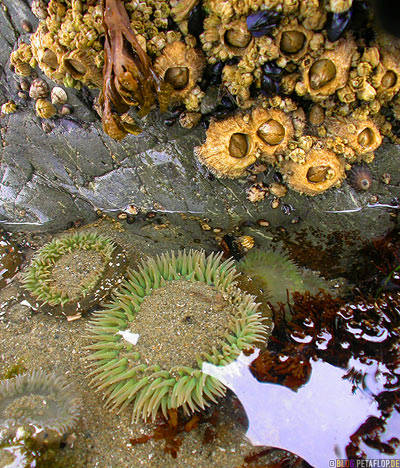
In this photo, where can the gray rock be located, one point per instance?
(48, 180)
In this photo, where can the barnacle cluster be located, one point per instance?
(281, 47)
(40, 402)
(167, 318)
(74, 273)
(253, 53)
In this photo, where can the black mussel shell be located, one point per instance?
(272, 70)
(212, 75)
(337, 24)
(233, 61)
(262, 22)
(387, 16)
(196, 20)
(269, 86)
(361, 20)
(228, 102)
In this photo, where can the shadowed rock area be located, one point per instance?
(53, 172)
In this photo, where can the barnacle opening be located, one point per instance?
(271, 132)
(321, 73)
(389, 79)
(292, 42)
(239, 145)
(177, 77)
(366, 137)
(321, 170)
(49, 58)
(318, 174)
(237, 38)
(75, 68)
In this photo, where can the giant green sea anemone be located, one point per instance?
(167, 318)
(75, 272)
(40, 401)
(272, 275)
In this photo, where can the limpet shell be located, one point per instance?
(58, 96)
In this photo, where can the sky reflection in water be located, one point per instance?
(316, 421)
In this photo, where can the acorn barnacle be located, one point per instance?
(47, 53)
(329, 72)
(169, 316)
(362, 136)
(45, 109)
(386, 78)
(293, 40)
(8, 107)
(237, 38)
(272, 129)
(229, 147)
(74, 273)
(38, 401)
(81, 65)
(181, 66)
(321, 170)
(223, 40)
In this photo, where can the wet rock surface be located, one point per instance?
(53, 172)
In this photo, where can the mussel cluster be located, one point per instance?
(237, 54)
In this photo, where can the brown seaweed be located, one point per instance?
(128, 79)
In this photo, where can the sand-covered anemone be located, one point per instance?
(44, 402)
(274, 276)
(168, 317)
(74, 273)
(321, 170)
(229, 148)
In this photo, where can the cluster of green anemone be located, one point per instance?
(38, 279)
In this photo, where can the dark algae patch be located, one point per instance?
(358, 335)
